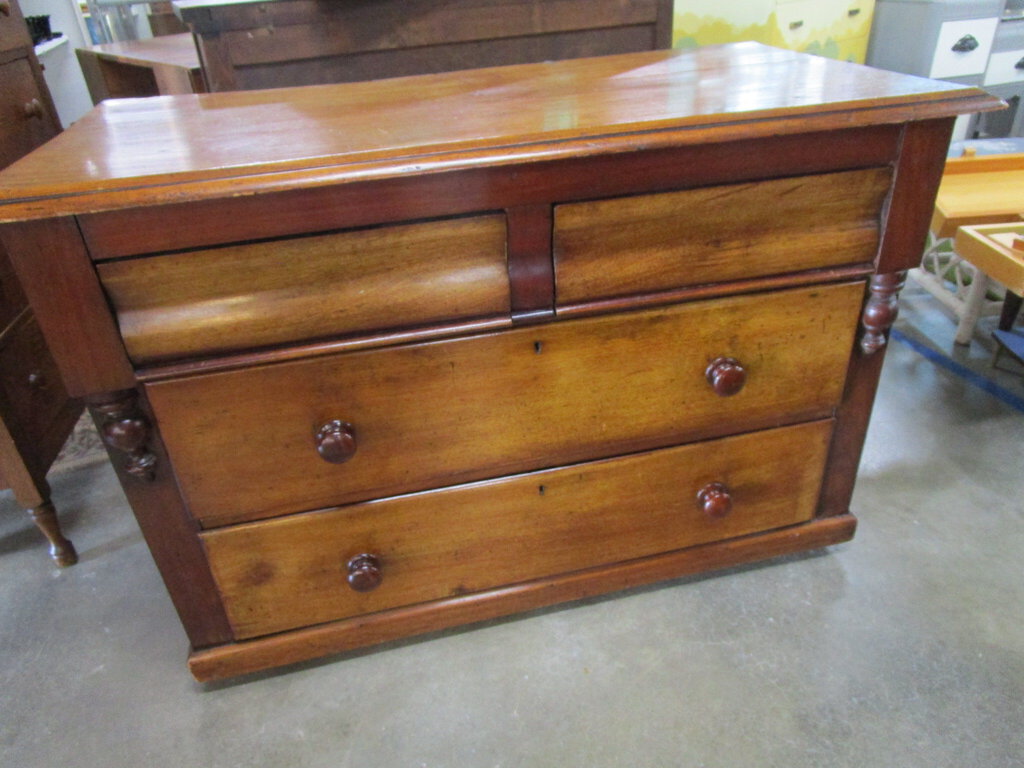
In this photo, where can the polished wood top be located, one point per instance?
(982, 189)
(172, 50)
(145, 151)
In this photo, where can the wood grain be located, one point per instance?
(205, 145)
(651, 243)
(281, 574)
(434, 414)
(347, 634)
(256, 295)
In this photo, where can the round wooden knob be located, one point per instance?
(34, 108)
(714, 500)
(336, 441)
(726, 376)
(5, 8)
(364, 573)
(37, 381)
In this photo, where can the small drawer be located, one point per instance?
(962, 47)
(200, 303)
(658, 242)
(1005, 67)
(297, 571)
(26, 121)
(13, 31)
(342, 428)
(31, 386)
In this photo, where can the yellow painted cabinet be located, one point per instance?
(838, 29)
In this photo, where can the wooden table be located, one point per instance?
(386, 357)
(247, 44)
(155, 67)
(997, 250)
(975, 189)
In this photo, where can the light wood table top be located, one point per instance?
(984, 189)
(991, 249)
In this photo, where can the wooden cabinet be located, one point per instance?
(382, 358)
(838, 29)
(259, 44)
(36, 414)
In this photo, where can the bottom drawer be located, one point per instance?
(291, 572)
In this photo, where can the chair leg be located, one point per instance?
(1011, 308)
(62, 551)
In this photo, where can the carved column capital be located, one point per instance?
(880, 310)
(124, 428)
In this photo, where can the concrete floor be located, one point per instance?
(903, 648)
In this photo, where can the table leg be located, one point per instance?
(972, 307)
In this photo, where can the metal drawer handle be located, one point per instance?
(796, 24)
(966, 44)
(853, 12)
(714, 500)
(336, 441)
(1019, 64)
(364, 573)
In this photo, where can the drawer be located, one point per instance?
(12, 298)
(277, 292)
(962, 47)
(32, 391)
(814, 22)
(657, 242)
(13, 32)
(1005, 67)
(25, 122)
(280, 574)
(244, 443)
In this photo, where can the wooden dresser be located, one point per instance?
(36, 414)
(387, 357)
(246, 44)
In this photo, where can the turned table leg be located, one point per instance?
(62, 551)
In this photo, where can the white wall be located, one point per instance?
(60, 65)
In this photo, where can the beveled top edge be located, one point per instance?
(146, 151)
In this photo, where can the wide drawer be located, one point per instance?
(280, 574)
(243, 443)
(658, 242)
(262, 294)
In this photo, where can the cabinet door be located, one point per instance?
(25, 121)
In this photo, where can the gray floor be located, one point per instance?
(902, 648)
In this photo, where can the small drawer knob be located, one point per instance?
(726, 375)
(364, 574)
(5, 8)
(336, 441)
(714, 500)
(34, 108)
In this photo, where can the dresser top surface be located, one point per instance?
(133, 152)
